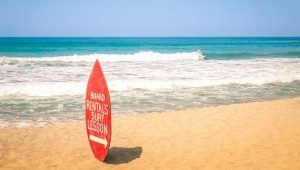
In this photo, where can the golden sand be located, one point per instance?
(260, 135)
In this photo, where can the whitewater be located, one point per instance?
(67, 75)
(42, 83)
(46, 90)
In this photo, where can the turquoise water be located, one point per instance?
(43, 80)
(214, 48)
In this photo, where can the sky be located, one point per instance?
(149, 18)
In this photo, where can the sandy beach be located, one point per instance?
(259, 135)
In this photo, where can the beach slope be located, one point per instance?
(259, 135)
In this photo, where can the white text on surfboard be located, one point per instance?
(97, 107)
(97, 126)
(98, 111)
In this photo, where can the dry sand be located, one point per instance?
(261, 135)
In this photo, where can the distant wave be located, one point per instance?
(140, 56)
(151, 56)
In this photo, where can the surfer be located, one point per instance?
(200, 55)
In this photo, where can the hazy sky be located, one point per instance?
(150, 18)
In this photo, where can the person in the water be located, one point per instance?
(200, 55)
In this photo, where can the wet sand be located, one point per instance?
(260, 135)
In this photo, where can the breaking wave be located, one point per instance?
(140, 56)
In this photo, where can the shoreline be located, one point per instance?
(144, 113)
(256, 135)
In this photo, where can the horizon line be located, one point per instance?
(149, 36)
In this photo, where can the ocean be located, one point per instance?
(43, 80)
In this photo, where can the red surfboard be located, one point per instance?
(98, 113)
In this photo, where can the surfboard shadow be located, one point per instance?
(119, 155)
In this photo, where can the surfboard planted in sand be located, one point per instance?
(98, 113)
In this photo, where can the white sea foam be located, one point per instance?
(43, 89)
(47, 89)
(56, 85)
(54, 79)
(140, 56)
